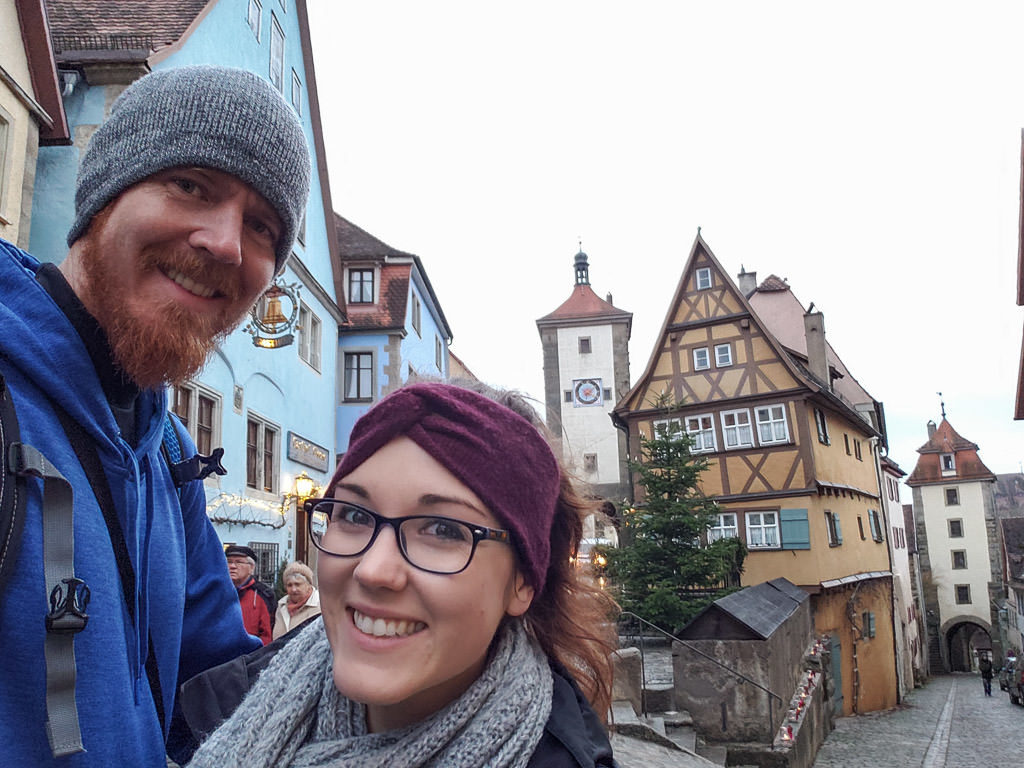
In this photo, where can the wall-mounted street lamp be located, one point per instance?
(303, 488)
(270, 327)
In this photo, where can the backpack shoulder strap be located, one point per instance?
(68, 595)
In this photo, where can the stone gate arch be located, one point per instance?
(959, 641)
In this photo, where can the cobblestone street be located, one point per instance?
(949, 723)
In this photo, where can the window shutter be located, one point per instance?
(796, 533)
(839, 530)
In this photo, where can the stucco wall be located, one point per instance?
(868, 680)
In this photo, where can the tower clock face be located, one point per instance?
(587, 391)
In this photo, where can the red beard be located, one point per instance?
(165, 343)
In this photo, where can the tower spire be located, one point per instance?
(942, 405)
(582, 267)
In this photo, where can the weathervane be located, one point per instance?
(942, 405)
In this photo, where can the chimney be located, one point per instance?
(747, 282)
(931, 428)
(817, 361)
(609, 299)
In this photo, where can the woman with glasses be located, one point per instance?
(452, 611)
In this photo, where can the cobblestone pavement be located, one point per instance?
(949, 723)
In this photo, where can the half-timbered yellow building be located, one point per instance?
(793, 444)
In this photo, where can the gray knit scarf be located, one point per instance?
(294, 716)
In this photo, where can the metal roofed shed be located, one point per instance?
(754, 613)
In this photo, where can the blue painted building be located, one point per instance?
(395, 331)
(273, 410)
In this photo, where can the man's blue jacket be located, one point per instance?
(183, 600)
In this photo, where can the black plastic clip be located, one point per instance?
(67, 614)
(198, 467)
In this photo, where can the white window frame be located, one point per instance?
(701, 359)
(726, 526)
(703, 278)
(701, 428)
(296, 92)
(255, 24)
(309, 336)
(359, 396)
(191, 419)
(668, 427)
(276, 53)
(951, 469)
(265, 427)
(766, 531)
(723, 355)
(736, 429)
(772, 423)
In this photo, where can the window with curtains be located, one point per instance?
(358, 377)
(262, 451)
(771, 424)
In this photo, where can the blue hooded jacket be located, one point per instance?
(183, 599)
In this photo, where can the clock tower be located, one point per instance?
(586, 371)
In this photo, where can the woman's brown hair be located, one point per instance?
(572, 618)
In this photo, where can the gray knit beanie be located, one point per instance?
(228, 119)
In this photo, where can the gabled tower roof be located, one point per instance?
(946, 440)
(583, 303)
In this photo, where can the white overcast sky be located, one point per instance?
(869, 152)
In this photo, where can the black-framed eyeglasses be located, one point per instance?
(428, 542)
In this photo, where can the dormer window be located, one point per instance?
(703, 278)
(948, 462)
(360, 286)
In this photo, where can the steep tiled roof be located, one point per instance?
(390, 311)
(945, 439)
(1013, 542)
(356, 243)
(773, 283)
(119, 24)
(582, 303)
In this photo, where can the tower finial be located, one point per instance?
(942, 405)
(581, 266)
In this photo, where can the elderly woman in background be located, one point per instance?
(302, 601)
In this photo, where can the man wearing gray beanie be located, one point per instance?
(187, 204)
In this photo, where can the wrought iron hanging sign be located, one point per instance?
(269, 327)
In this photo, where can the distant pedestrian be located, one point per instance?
(302, 601)
(985, 666)
(256, 598)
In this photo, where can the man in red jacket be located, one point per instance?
(256, 606)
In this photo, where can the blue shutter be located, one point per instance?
(839, 530)
(796, 533)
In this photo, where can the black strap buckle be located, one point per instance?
(198, 467)
(67, 614)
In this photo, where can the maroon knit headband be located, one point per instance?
(494, 451)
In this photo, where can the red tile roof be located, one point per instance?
(119, 24)
(583, 302)
(773, 283)
(390, 311)
(965, 458)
